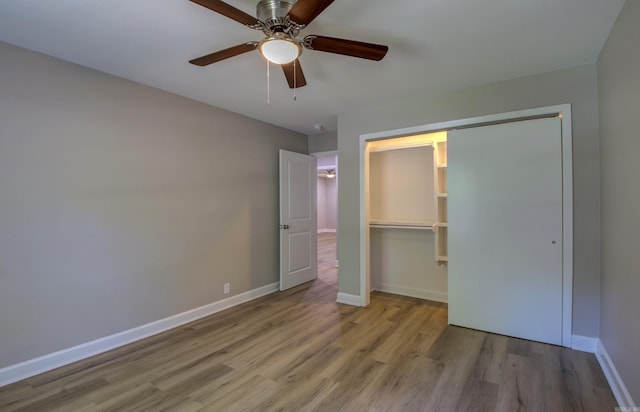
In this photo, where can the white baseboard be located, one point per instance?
(347, 299)
(326, 231)
(32, 367)
(584, 343)
(620, 391)
(412, 292)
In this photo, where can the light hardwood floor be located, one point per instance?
(300, 351)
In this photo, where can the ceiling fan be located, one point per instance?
(281, 22)
(328, 173)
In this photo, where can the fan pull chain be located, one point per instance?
(295, 86)
(268, 84)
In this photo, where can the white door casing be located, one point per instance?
(505, 229)
(298, 225)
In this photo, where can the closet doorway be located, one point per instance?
(407, 216)
(479, 289)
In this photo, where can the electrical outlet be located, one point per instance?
(227, 288)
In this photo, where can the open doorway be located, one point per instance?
(327, 214)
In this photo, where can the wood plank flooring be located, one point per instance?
(300, 351)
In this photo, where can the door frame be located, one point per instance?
(564, 112)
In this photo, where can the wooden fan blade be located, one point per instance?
(228, 10)
(346, 47)
(289, 70)
(224, 54)
(304, 11)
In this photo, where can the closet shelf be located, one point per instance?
(441, 204)
(390, 224)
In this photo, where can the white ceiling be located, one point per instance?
(435, 45)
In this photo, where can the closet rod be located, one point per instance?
(413, 227)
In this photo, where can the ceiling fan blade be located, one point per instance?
(224, 54)
(289, 71)
(304, 11)
(228, 10)
(346, 47)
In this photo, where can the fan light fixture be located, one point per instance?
(328, 173)
(280, 48)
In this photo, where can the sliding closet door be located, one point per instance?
(505, 229)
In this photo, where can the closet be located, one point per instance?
(408, 216)
(479, 216)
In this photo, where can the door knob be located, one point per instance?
(284, 226)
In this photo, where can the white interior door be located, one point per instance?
(505, 229)
(298, 224)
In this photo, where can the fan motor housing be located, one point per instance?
(273, 12)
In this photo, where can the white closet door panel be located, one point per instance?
(505, 229)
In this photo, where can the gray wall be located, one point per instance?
(577, 86)
(121, 204)
(323, 142)
(619, 90)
